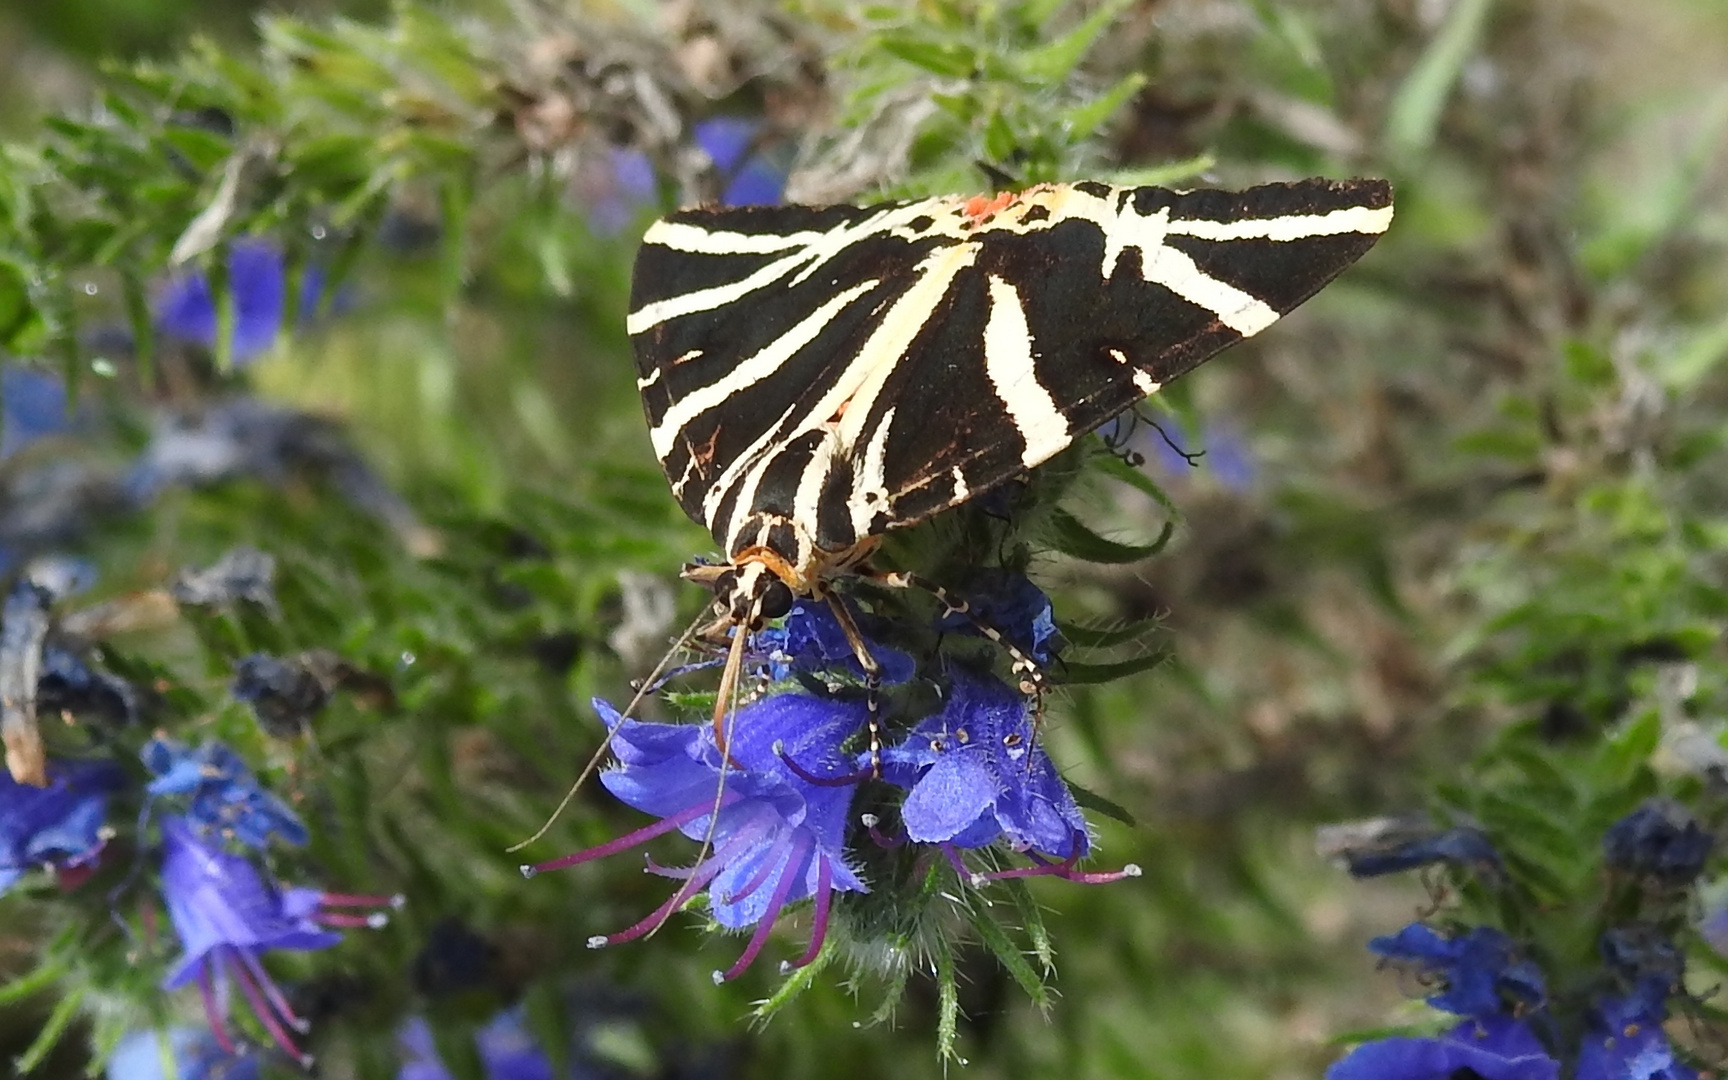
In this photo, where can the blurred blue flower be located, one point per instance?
(185, 309)
(1463, 846)
(1479, 969)
(1625, 1041)
(241, 574)
(507, 1051)
(59, 826)
(283, 695)
(1489, 1048)
(1010, 604)
(975, 774)
(227, 914)
(780, 837)
(1217, 446)
(67, 683)
(1660, 840)
(1646, 961)
(245, 437)
(32, 405)
(751, 178)
(195, 1052)
(224, 795)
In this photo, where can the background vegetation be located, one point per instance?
(1457, 547)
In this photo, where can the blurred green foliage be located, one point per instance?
(1479, 570)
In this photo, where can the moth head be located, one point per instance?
(750, 595)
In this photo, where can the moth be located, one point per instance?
(815, 376)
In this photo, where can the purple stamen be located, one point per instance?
(658, 869)
(628, 840)
(818, 924)
(660, 914)
(969, 876)
(335, 899)
(882, 839)
(212, 1013)
(811, 778)
(351, 920)
(278, 1000)
(699, 878)
(266, 1016)
(766, 925)
(1064, 870)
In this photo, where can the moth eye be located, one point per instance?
(962, 737)
(1011, 739)
(937, 745)
(776, 599)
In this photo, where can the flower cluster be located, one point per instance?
(773, 805)
(1606, 1024)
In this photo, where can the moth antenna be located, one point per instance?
(723, 718)
(599, 754)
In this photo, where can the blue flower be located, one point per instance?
(59, 826)
(507, 1051)
(32, 405)
(781, 831)
(224, 795)
(1660, 840)
(810, 640)
(227, 915)
(1010, 604)
(751, 179)
(256, 277)
(975, 774)
(195, 1052)
(1625, 1041)
(1480, 973)
(1490, 1048)
(1463, 846)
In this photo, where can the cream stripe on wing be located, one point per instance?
(1350, 219)
(682, 236)
(1008, 361)
(751, 370)
(1236, 309)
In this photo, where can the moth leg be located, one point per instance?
(1029, 675)
(872, 676)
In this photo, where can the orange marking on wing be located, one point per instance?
(979, 207)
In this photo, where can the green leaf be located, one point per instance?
(1051, 64)
(1084, 120)
(1630, 748)
(1009, 955)
(65, 1011)
(1416, 107)
(21, 325)
(1074, 673)
(31, 984)
(1114, 467)
(1101, 637)
(1091, 800)
(938, 58)
(1070, 537)
(947, 977)
(1681, 370)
